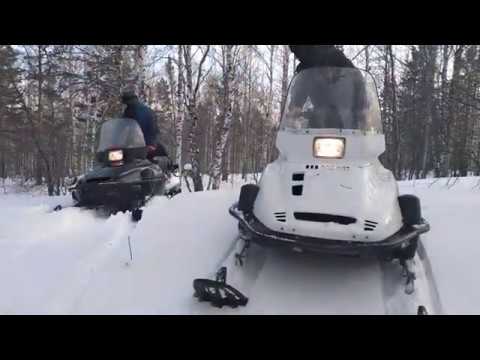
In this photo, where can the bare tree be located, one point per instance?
(285, 78)
(224, 123)
(180, 116)
(191, 97)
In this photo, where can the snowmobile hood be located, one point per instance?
(328, 200)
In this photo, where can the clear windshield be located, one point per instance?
(332, 98)
(120, 133)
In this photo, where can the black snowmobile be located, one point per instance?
(124, 179)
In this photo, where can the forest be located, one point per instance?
(218, 106)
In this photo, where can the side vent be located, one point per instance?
(298, 176)
(370, 225)
(280, 216)
(297, 190)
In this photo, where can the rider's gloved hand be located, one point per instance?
(151, 149)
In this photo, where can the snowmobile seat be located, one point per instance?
(164, 162)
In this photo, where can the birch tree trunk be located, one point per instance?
(430, 55)
(367, 58)
(225, 123)
(444, 153)
(140, 70)
(191, 91)
(396, 127)
(180, 113)
(269, 118)
(285, 63)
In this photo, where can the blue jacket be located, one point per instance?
(145, 118)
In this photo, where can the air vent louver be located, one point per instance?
(280, 216)
(370, 225)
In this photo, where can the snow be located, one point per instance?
(452, 245)
(74, 262)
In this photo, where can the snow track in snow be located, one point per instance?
(283, 282)
(396, 301)
(430, 283)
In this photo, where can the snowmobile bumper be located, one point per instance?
(388, 248)
(114, 195)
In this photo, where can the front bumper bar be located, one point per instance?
(389, 248)
(115, 195)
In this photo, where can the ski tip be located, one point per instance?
(422, 310)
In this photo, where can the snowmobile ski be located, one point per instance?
(422, 310)
(240, 256)
(409, 274)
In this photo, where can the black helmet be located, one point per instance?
(128, 96)
(308, 54)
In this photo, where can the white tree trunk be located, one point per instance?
(190, 98)
(225, 124)
(140, 70)
(180, 111)
(285, 63)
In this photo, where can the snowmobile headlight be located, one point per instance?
(333, 148)
(116, 155)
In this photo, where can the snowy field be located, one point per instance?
(74, 262)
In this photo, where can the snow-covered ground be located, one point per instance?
(453, 246)
(73, 262)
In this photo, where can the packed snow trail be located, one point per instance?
(80, 264)
(283, 282)
(279, 282)
(73, 262)
(396, 301)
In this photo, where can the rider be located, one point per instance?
(146, 118)
(323, 96)
(320, 56)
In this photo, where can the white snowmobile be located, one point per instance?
(328, 192)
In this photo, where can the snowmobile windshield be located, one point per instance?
(332, 98)
(120, 134)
